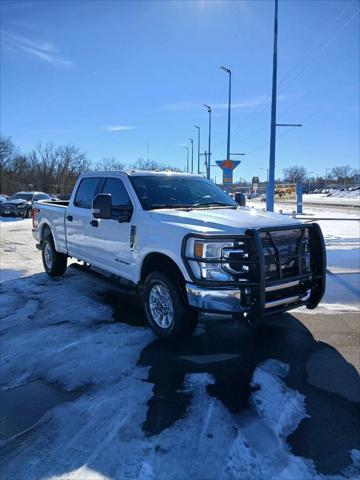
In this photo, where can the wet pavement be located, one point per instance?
(230, 352)
(23, 406)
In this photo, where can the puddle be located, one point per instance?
(23, 406)
(127, 308)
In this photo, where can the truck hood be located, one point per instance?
(221, 220)
(17, 201)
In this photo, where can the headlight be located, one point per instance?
(212, 259)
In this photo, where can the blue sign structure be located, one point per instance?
(227, 166)
(299, 202)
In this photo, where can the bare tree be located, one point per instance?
(341, 174)
(71, 162)
(295, 174)
(110, 164)
(7, 153)
(142, 164)
(43, 160)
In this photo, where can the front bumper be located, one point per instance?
(214, 300)
(260, 296)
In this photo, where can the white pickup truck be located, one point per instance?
(185, 245)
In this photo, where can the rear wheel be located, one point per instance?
(54, 262)
(167, 312)
(27, 213)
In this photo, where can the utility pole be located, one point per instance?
(209, 150)
(228, 71)
(198, 165)
(271, 182)
(187, 158)
(192, 154)
(326, 169)
(310, 180)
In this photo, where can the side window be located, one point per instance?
(87, 190)
(119, 195)
(41, 196)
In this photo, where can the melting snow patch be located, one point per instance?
(281, 407)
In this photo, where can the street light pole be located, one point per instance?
(228, 71)
(326, 169)
(187, 158)
(192, 154)
(310, 180)
(198, 165)
(273, 125)
(209, 151)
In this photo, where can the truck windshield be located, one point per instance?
(22, 196)
(176, 192)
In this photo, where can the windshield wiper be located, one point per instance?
(156, 206)
(214, 204)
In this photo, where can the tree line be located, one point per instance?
(53, 168)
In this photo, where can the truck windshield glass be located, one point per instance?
(22, 196)
(176, 192)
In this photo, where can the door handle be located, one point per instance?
(94, 223)
(69, 218)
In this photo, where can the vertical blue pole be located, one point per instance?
(299, 199)
(229, 120)
(271, 183)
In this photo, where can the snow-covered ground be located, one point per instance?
(225, 404)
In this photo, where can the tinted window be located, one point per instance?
(41, 196)
(119, 195)
(22, 196)
(88, 189)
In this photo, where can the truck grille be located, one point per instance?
(286, 253)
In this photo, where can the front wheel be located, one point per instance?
(54, 262)
(167, 312)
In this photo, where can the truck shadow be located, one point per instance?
(230, 352)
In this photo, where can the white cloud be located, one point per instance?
(40, 49)
(119, 128)
(243, 104)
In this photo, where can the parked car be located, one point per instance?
(3, 198)
(20, 204)
(185, 245)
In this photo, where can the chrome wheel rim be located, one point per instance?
(48, 256)
(161, 306)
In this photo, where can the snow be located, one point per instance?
(61, 332)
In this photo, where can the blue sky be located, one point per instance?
(113, 76)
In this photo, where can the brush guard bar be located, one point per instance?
(260, 294)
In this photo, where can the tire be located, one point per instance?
(27, 213)
(54, 262)
(166, 309)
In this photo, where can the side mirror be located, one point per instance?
(240, 199)
(101, 206)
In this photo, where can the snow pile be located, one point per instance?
(350, 193)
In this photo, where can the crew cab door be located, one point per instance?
(78, 217)
(110, 238)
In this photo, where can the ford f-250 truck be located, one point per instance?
(185, 245)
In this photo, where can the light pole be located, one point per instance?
(273, 124)
(310, 180)
(198, 165)
(187, 158)
(326, 169)
(228, 71)
(209, 151)
(192, 154)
